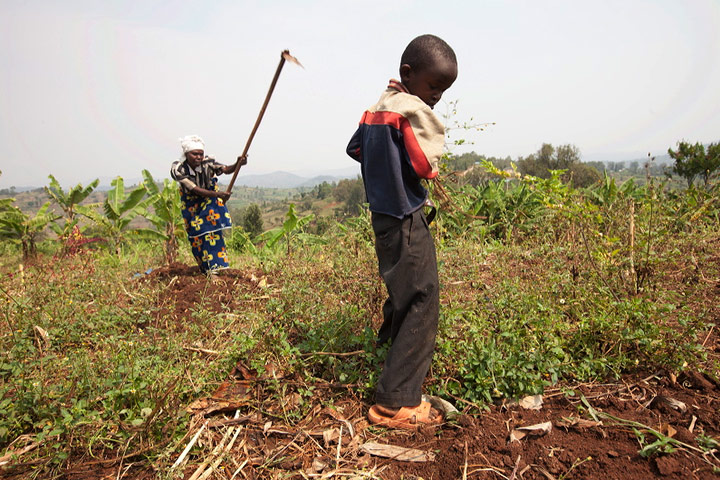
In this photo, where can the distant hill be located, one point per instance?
(287, 180)
(323, 178)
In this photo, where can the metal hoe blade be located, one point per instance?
(286, 55)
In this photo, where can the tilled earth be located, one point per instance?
(474, 447)
(479, 446)
(600, 437)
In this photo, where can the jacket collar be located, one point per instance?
(397, 85)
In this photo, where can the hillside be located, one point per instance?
(588, 320)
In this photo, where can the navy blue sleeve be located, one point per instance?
(353, 148)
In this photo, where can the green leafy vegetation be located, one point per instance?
(693, 161)
(542, 283)
(68, 202)
(166, 213)
(23, 229)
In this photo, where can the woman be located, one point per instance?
(203, 205)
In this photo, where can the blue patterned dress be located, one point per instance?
(205, 218)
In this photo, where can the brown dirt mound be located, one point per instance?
(186, 288)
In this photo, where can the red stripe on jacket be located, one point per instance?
(419, 160)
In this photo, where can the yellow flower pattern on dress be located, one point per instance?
(197, 223)
(205, 218)
(212, 238)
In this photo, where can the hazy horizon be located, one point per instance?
(105, 89)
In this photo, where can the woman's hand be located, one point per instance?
(223, 195)
(242, 160)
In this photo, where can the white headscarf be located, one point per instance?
(190, 143)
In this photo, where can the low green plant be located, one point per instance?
(662, 444)
(166, 214)
(289, 230)
(24, 229)
(119, 209)
(68, 201)
(241, 241)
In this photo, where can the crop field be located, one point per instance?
(578, 339)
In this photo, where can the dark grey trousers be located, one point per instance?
(407, 263)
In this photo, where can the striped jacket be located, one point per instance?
(398, 143)
(188, 178)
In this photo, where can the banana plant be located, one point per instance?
(68, 201)
(166, 214)
(608, 192)
(290, 228)
(119, 208)
(6, 204)
(21, 228)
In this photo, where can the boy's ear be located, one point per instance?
(405, 70)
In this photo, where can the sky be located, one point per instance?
(92, 89)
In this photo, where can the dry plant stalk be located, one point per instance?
(190, 444)
(17, 453)
(224, 452)
(633, 273)
(215, 453)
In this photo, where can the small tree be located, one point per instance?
(166, 215)
(687, 159)
(68, 202)
(692, 161)
(24, 229)
(352, 193)
(290, 228)
(584, 175)
(323, 190)
(565, 157)
(252, 221)
(712, 162)
(120, 209)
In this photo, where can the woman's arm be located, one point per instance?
(231, 168)
(210, 193)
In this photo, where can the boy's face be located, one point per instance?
(194, 157)
(430, 82)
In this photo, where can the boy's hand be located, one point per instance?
(242, 160)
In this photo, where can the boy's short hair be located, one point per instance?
(424, 50)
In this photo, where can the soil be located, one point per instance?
(479, 447)
(578, 446)
(187, 288)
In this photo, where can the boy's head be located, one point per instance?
(428, 67)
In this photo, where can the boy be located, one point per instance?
(398, 143)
